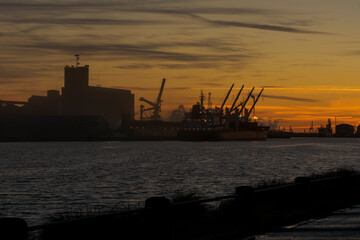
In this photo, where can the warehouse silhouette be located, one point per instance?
(92, 109)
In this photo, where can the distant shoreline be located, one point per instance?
(130, 139)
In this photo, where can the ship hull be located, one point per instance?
(163, 130)
(230, 135)
(242, 135)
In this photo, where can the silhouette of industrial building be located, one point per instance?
(77, 99)
(345, 130)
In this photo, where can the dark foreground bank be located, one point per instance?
(247, 212)
(342, 224)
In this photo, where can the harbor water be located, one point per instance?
(39, 179)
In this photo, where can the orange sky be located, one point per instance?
(305, 53)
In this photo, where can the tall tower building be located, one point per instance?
(76, 78)
(76, 84)
(80, 99)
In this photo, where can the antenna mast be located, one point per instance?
(77, 60)
(202, 98)
(209, 101)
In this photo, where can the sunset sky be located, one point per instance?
(306, 54)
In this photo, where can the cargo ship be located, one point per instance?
(223, 124)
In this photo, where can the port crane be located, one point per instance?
(156, 106)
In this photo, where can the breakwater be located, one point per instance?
(246, 212)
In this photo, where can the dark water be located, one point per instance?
(39, 179)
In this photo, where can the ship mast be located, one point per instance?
(202, 97)
(209, 101)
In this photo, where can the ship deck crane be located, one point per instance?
(246, 100)
(252, 108)
(237, 97)
(227, 96)
(156, 106)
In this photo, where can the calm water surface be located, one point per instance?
(40, 179)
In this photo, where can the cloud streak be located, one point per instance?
(289, 98)
(135, 52)
(143, 6)
(266, 27)
(84, 21)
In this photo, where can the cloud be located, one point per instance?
(9, 78)
(201, 10)
(135, 66)
(271, 86)
(234, 11)
(189, 66)
(222, 23)
(211, 84)
(210, 43)
(289, 98)
(136, 88)
(19, 71)
(259, 26)
(353, 53)
(84, 21)
(150, 88)
(180, 88)
(134, 52)
(48, 9)
(55, 6)
(297, 22)
(204, 43)
(212, 62)
(133, 6)
(14, 75)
